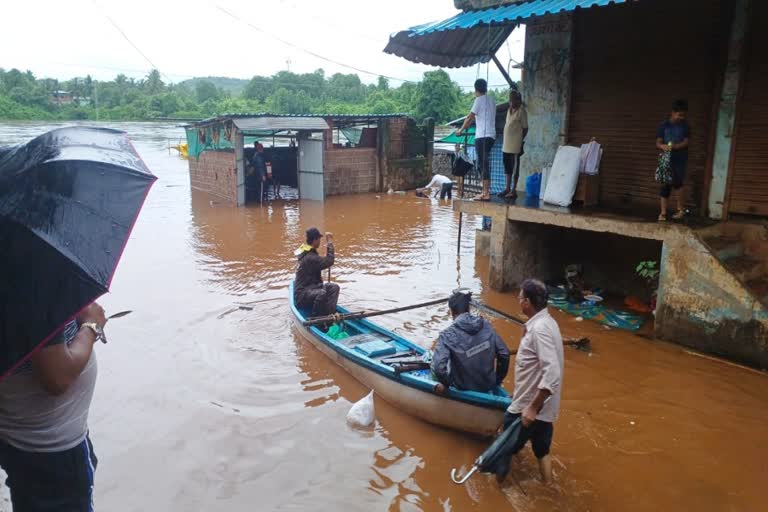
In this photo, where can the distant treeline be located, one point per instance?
(24, 96)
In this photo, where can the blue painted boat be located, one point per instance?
(362, 354)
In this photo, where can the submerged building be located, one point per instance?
(321, 155)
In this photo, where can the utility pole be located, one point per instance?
(288, 64)
(96, 97)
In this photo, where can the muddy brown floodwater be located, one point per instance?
(203, 406)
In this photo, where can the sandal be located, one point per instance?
(483, 198)
(511, 195)
(679, 214)
(503, 193)
(662, 217)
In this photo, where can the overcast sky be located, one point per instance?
(186, 38)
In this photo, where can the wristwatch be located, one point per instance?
(97, 330)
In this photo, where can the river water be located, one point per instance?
(201, 405)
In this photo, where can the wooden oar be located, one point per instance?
(579, 343)
(506, 316)
(339, 317)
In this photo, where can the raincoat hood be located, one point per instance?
(302, 251)
(469, 323)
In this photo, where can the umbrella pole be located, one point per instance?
(463, 479)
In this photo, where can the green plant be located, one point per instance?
(648, 270)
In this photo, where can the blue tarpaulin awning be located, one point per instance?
(475, 36)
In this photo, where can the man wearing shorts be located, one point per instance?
(673, 135)
(538, 381)
(483, 114)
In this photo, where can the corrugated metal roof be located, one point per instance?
(279, 123)
(347, 117)
(475, 36)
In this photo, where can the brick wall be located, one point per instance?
(402, 169)
(349, 171)
(214, 172)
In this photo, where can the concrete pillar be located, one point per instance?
(726, 113)
(546, 90)
(501, 237)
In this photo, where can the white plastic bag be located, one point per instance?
(362, 413)
(563, 176)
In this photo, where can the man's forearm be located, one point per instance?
(538, 401)
(468, 121)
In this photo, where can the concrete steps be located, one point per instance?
(742, 250)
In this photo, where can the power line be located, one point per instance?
(309, 52)
(135, 47)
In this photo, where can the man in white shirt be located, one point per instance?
(538, 380)
(443, 183)
(483, 114)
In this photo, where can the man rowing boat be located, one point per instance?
(467, 350)
(309, 291)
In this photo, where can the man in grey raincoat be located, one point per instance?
(469, 354)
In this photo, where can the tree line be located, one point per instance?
(26, 97)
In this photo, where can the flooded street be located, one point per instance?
(201, 405)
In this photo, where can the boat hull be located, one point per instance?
(435, 409)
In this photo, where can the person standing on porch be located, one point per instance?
(483, 114)
(515, 130)
(673, 135)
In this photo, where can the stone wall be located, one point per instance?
(407, 174)
(442, 163)
(350, 171)
(215, 173)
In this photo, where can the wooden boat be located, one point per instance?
(410, 391)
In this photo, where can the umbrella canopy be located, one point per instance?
(68, 202)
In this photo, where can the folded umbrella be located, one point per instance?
(68, 202)
(488, 461)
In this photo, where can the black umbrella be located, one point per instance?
(68, 202)
(489, 460)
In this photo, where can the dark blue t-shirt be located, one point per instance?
(676, 133)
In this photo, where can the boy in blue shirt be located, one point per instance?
(673, 135)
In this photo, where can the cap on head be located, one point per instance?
(459, 301)
(313, 234)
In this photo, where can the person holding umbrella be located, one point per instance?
(68, 202)
(44, 445)
(539, 368)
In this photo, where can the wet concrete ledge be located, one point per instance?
(525, 210)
